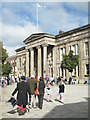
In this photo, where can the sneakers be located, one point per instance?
(61, 101)
(50, 100)
(22, 113)
(19, 111)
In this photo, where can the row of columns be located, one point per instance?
(39, 61)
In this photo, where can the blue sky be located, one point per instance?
(19, 20)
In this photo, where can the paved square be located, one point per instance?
(75, 104)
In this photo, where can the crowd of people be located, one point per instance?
(35, 88)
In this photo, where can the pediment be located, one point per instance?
(37, 36)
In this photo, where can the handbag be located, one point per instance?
(12, 101)
(37, 92)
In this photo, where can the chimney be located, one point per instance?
(60, 31)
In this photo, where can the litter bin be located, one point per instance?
(88, 81)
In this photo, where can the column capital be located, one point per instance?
(27, 50)
(31, 49)
(44, 45)
(38, 47)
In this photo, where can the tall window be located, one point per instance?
(58, 54)
(74, 49)
(87, 69)
(77, 49)
(86, 49)
(61, 53)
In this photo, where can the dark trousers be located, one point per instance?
(41, 100)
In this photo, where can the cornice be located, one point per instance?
(20, 49)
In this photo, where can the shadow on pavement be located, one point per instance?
(73, 110)
(13, 111)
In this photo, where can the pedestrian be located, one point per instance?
(22, 95)
(58, 80)
(8, 80)
(26, 79)
(48, 91)
(65, 81)
(61, 91)
(32, 84)
(41, 88)
(46, 79)
(70, 79)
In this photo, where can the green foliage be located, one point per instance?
(3, 53)
(6, 69)
(70, 61)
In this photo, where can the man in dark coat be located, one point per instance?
(22, 95)
(41, 92)
(32, 84)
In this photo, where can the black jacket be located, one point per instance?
(61, 88)
(22, 95)
(41, 87)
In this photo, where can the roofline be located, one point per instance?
(73, 31)
(20, 49)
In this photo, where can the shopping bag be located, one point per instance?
(37, 92)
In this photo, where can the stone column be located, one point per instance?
(22, 65)
(17, 64)
(54, 63)
(27, 63)
(81, 64)
(44, 60)
(67, 52)
(32, 61)
(39, 60)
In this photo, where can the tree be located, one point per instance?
(3, 53)
(70, 61)
(6, 69)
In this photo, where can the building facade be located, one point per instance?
(12, 61)
(42, 54)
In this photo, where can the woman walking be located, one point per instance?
(41, 88)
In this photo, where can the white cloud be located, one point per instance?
(13, 36)
(11, 50)
(19, 21)
(60, 18)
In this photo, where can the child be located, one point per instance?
(61, 91)
(48, 91)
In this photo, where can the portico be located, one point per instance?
(43, 54)
(37, 61)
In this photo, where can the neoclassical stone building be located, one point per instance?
(42, 54)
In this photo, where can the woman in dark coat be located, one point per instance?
(22, 95)
(41, 92)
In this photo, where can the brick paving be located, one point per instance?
(75, 104)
